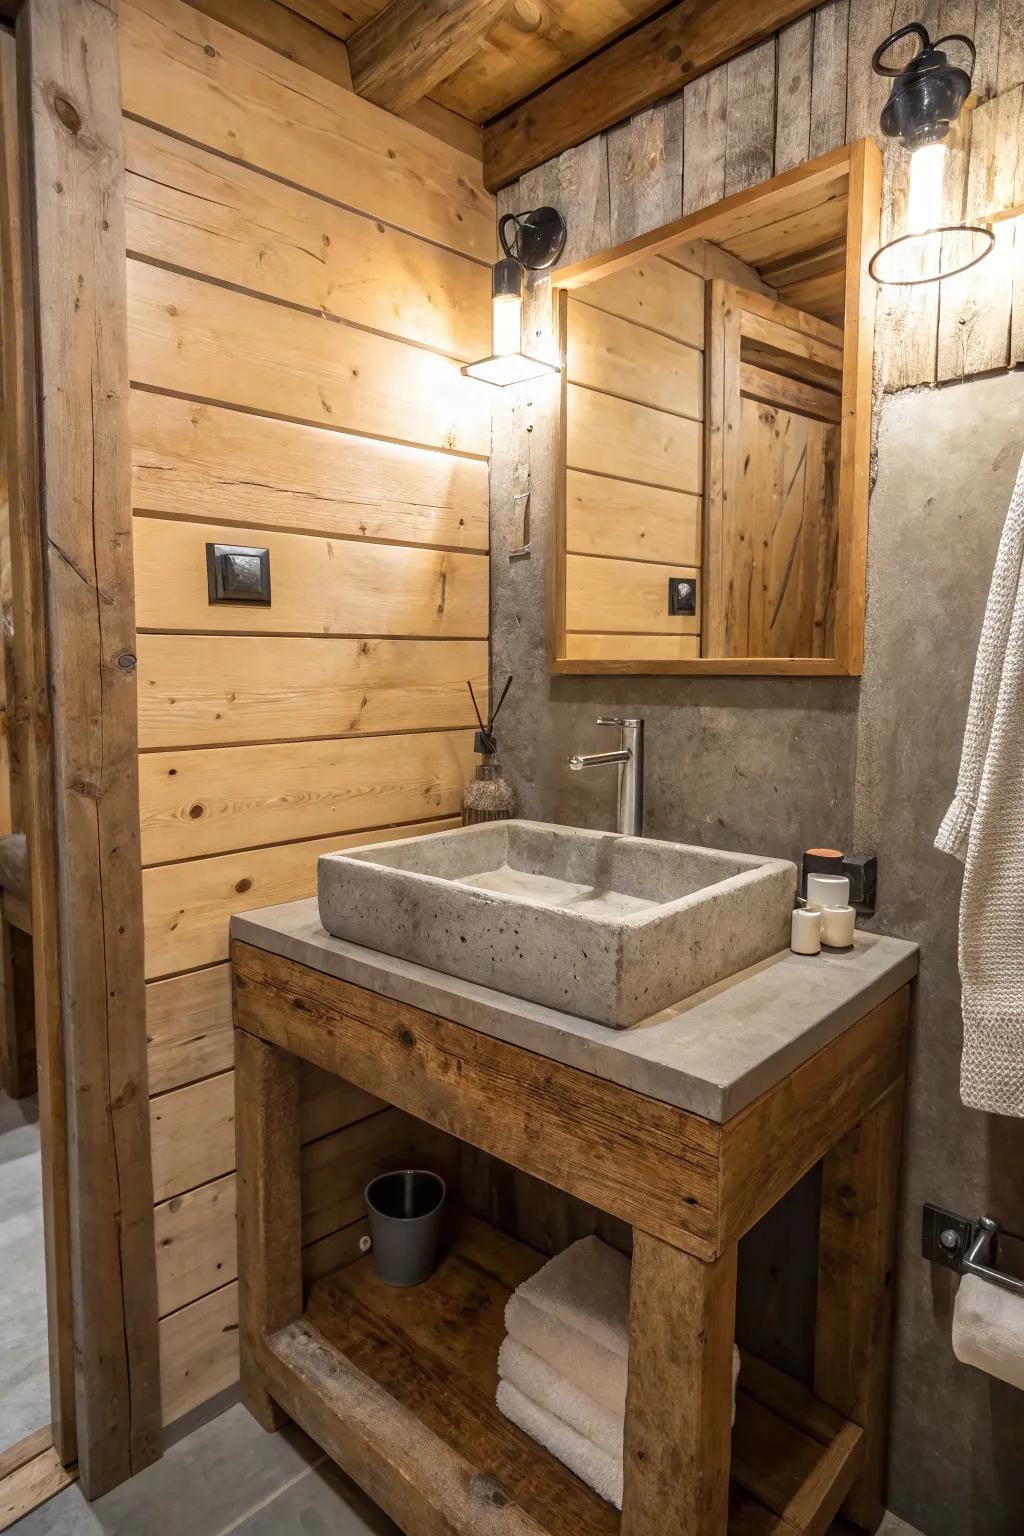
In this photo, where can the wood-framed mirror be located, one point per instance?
(712, 479)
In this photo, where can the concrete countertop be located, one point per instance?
(712, 1055)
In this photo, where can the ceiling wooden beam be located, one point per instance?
(648, 64)
(399, 56)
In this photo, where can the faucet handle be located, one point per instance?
(619, 720)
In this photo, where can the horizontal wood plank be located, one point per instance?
(31, 1484)
(791, 394)
(198, 1352)
(188, 906)
(189, 208)
(192, 1132)
(318, 586)
(631, 1156)
(620, 358)
(188, 1026)
(196, 1249)
(189, 73)
(198, 690)
(218, 465)
(638, 522)
(212, 801)
(633, 442)
(628, 649)
(659, 294)
(625, 596)
(202, 340)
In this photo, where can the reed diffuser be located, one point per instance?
(488, 796)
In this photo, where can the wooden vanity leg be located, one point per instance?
(269, 1208)
(857, 1253)
(682, 1316)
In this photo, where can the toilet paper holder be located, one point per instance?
(964, 1245)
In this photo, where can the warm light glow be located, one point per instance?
(512, 368)
(506, 324)
(924, 203)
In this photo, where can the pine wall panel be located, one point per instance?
(306, 275)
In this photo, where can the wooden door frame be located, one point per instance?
(67, 372)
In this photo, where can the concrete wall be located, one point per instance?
(947, 460)
(775, 765)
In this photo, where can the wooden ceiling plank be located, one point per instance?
(654, 61)
(334, 16)
(399, 56)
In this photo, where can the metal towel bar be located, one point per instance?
(966, 1246)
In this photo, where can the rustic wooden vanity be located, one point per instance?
(398, 1386)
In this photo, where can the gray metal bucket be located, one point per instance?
(405, 1224)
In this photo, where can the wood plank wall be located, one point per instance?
(805, 91)
(634, 456)
(305, 274)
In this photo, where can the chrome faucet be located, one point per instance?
(630, 760)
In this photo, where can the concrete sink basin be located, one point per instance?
(610, 928)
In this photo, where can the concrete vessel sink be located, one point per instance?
(606, 927)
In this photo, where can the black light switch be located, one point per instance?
(682, 596)
(237, 573)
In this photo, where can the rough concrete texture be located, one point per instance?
(606, 927)
(947, 461)
(774, 766)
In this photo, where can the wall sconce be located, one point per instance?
(536, 242)
(925, 101)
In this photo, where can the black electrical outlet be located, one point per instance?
(682, 596)
(237, 573)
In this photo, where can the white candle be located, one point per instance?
(828, 891)
(805, 933)
(837, 925)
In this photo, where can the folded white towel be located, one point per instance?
(564, 1365)
(590, 1463)
(579, 1360)
(586, 1286)
(535, 1379)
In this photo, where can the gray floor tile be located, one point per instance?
(24, 1363)
(204, 1486)
(322, 1503)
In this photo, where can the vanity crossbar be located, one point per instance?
(398, 1386)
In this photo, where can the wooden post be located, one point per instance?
(80, 550)
(682, 1315)
(857, 1248)
(269, 1207)
(32, 741)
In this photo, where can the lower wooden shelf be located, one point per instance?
(398, 1386)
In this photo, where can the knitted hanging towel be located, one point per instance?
(984, 827)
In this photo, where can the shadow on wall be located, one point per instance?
(947, 460)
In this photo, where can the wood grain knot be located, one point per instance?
(243, 885)
(196, 811)
(406, 1038)
(489, 1491)
(68, 114)
(127, 662)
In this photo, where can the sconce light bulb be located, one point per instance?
(924, 201)
(506, 324)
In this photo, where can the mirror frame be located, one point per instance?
(744, 211)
